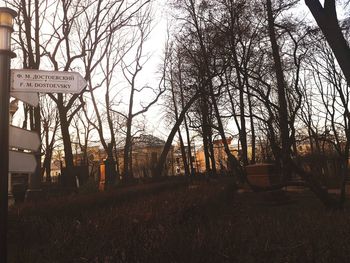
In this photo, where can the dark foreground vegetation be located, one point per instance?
(178, 221)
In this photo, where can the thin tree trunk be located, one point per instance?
(162, 158)
(67, 145)
(242, 130)
(252, 128)
(48, 167)
(127, 150)
(183, 154)
(182, 147)
(282, 110)
(232, 160)
(212, 154)
(189, 150)
(189, 147)
(205, 135)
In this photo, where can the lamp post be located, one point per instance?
(7, 16)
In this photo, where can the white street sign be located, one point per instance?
(23, 139)
(20, 162)
(32, 80)
(29, 98)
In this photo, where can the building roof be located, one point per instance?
(147, 140)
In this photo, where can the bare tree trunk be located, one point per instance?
(183, 154)
(282, 110)
(189, 148)
(182, 146)
(130, 72)
(208, 83)
(162, 158)
(232, 160)
(128, 138)
(130, 161)
(326, 18)
(252, 128)
(116, 154)
(47, 160)
(205, 134)
(67, 143)
(242, 130)
(49, 145)
(213, 171)
(47, 166)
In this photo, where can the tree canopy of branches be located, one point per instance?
(252, 72)
(254, 78)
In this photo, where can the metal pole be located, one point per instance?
(6, 23)
(4, 149)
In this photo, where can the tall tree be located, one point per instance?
(29, 20)
(281, 90)
(50, 124)
(131, 72)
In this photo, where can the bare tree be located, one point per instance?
(281, 90)
(131, 71)
(332, 97)
(30, 17)
(50, 124)
(83, 129)
(175, 102)
(158, 170)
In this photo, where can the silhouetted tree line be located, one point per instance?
(254, 70)
(263, 71)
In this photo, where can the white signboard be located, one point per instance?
(20, 162)
(29, 98)
(23, 139)
(32, 80)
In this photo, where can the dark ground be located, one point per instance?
(179, 221)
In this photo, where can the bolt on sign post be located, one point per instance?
(7, 16)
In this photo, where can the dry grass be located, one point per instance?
(196, 222)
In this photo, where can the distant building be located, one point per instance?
(146, 150)
(94, 154)
(179, 164)
(93, 158)
(220, 155)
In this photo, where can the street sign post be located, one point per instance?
(23, 139)
(7, 16)
(32, 80)
(21, 162)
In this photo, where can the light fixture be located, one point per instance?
(7, 16)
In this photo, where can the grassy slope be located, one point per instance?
(200, 222)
